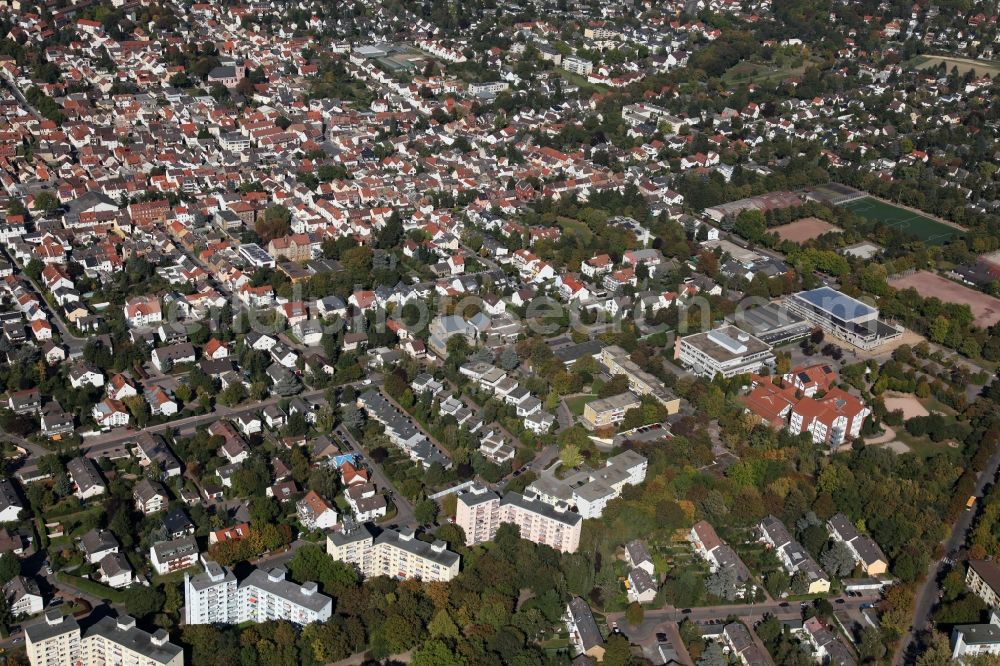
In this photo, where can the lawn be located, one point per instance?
(575, 228)
(578, 402)
(908, 222)
(92, 588)
(980, 67)
(756, 72)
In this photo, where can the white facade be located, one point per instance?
(215, 597)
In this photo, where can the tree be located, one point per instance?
(837, 559)
(436, 653)
(509, 359)
(617, 651)
(570, 456)
(724, 583)
(141, 601)
(274, 223)
(426, 511)
(634, 614)
(46, 203)
(10, 567)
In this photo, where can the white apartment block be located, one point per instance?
(480, 512)
(215, 597)
(725, 351)
(590, 490)
(578, 65)
(397, 554)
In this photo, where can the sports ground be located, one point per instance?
(804, 230)
(985, 308)
(910, 223)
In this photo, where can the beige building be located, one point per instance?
(397, 554)
(53, 642)
(640, 382)
(983, 578)
(57, 642)
(609, 411)
(480, 512)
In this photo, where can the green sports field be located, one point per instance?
(910, 223)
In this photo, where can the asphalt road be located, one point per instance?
(707, 613)
(93, 447)
(928, 594)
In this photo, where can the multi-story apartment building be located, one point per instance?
(215, 597)
(118, 641)
(211, 597)
(609, 411)
(57, 641)
(835, 417)
(725, 351)
(577, 65)
(640, 382)
(590, 490)
(174, 555)
(53, 642)
(392, 553)
(480, 512)
(983, 578)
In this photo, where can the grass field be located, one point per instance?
(575, 228)
(578, 402)
(964, 65)
(910, 223)
(753, 72)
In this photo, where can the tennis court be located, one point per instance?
(908, 222)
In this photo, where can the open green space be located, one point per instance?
(578, 402)
(92, 588)
(908, 222)
(575, 228)
(964, 65)
(747, 72)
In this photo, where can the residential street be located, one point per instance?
(928, 594)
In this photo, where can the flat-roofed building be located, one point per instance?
(480, 512)
(55, 641)
(590, 490)
(725, 351)
(609, 411)
(398, 554)
(970, 640)
(618, 362)
(215, 597)
(844, 317)
(119, 641)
